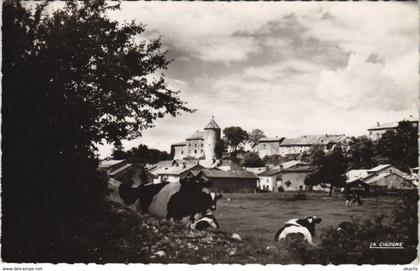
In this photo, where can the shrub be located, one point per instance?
(352, 245)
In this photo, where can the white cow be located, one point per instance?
(304, 226)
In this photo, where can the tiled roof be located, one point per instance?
(230, 174)
(170, 167)
(109, 163)
(182, 143)
(298, 168)
(197, 135)
(270, 172)
(255, 170)
(313, 140)
(292, 163)
(212, 125)
(379, 168)
(118, 170)
(271, 139)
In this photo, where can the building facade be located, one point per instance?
(199, 145)
(376, 132)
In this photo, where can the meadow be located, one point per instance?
(256, 217)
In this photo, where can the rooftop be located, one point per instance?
(173, 167)
(212, 125)
(272, 139)
(313, 140)
(197, 135)
(230, 174)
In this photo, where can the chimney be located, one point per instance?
(377, 124)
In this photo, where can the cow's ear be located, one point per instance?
(219, 196)
(318, 220)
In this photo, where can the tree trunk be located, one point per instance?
(331, 189)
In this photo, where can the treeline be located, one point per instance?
(141, 154)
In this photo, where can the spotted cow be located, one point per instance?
(173, 201)
(302, 226)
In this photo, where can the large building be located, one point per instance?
(295, 146)
(200, 145)
(376, 132)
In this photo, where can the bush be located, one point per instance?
(352, 245)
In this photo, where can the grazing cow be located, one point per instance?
(202, 222)
(304, 226)
(167, 200)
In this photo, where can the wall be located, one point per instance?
(234, 185)
(296, 179)
(267, 183)
(392, 181)
(267, 148)
(179, 152)
(195, 148)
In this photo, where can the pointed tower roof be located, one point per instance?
(212, 125)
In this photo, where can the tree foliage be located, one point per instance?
(235, 136)
(400, 147)
(361, 153)
(252, 159)
(72, 78)
(141, 154)
(255, 136)
(331, 168)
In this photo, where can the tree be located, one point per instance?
(331, 168)
(252, 159)
(142, 154)
(220, 148)
(71, 78)
(255, 136)
(361, 153)
(400, 147)
(234, 136)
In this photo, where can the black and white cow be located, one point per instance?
(203, 222)
(174, 201)
(304, 226)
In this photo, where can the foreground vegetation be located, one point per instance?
(119, 235)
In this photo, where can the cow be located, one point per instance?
(302, 226)
(202, 222)
(173, 201)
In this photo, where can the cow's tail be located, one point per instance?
(276, 236)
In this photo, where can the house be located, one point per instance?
(356, 174)
(199, 145)
(293, 178)
(267, 180)
(229, 181)
(381, 177)
(271, 179)
(131, 173)
(376, 132)
(268, 146)
(173, 170)
(256, 170)
(294, 146)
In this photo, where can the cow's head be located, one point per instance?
(309, 223)
(205, 201)
(214, 197)
(204, 222)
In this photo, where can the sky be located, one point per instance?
(287, 68)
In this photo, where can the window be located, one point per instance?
(195, 151)
(182, 152)
(202, 145)
(195, 145)
(189, 145)
(201, 150)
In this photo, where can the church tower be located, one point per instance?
(212, 131)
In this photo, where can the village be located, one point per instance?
(196, 156)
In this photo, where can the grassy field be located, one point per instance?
(256, 217)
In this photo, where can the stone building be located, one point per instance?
(199, 145)
(376, 132)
